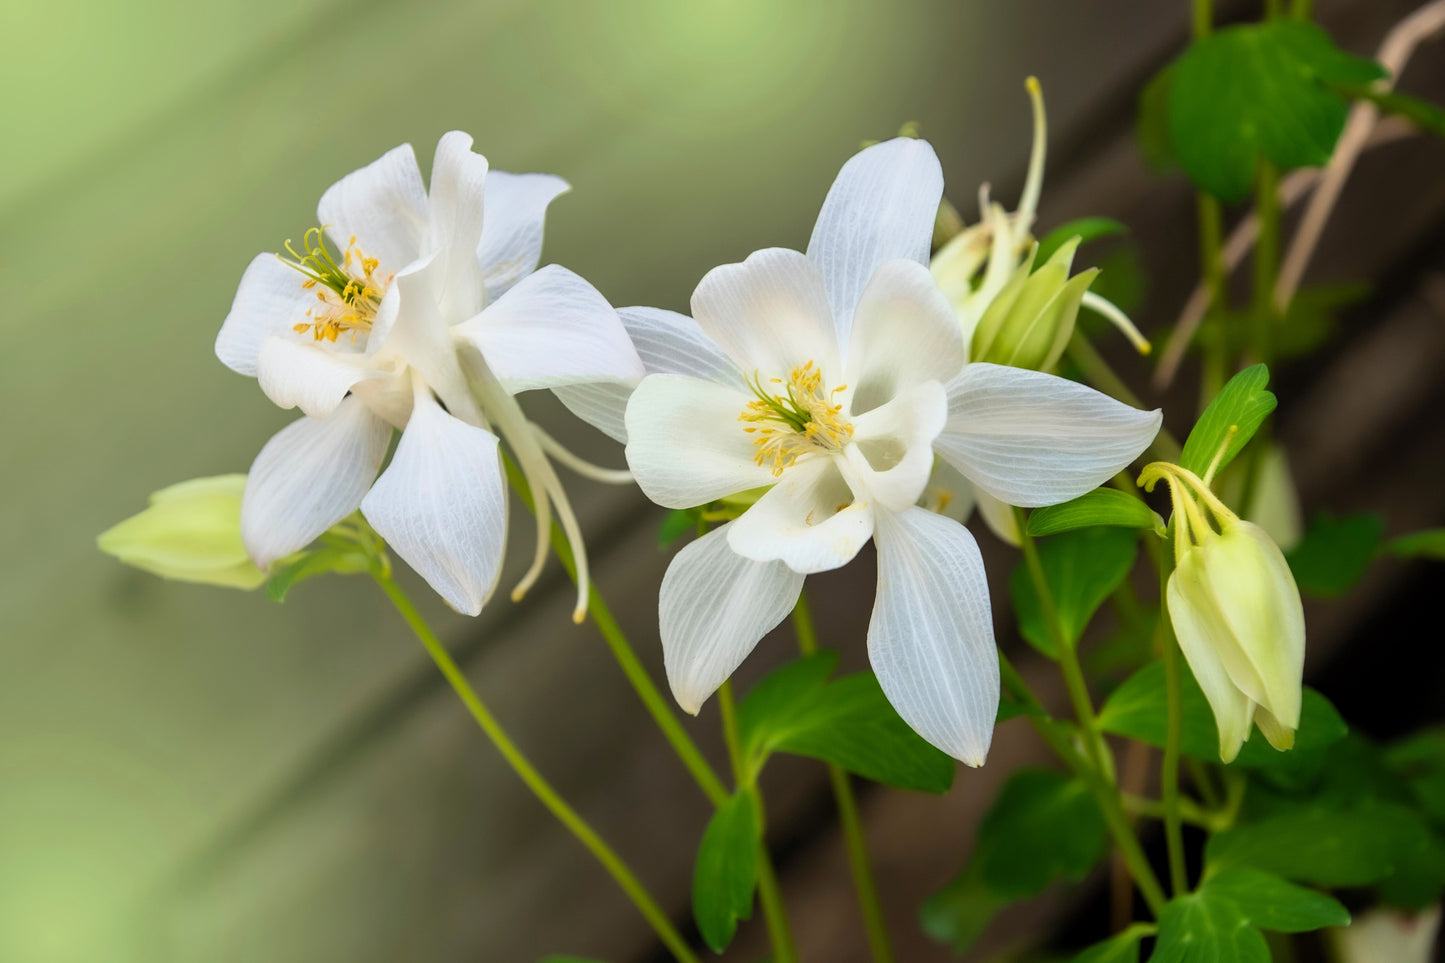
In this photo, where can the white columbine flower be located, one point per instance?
(430, 307)
(835, 377)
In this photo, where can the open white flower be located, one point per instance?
(834, 377)
(429, 308)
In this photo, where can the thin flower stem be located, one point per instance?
(1266, 260)
(534, 780)
(863, 881)
(769, 892)
(1202, 18)
(1098, 751)
(1105, 794)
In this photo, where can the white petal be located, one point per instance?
(948, 493)
(310, 475)
(1030, 439)
(769, 314)
(423, 339)
(552, 329)
(511, 243)
(1198, 625)
(667, 343)
(442, 505)
(931, 637)
(715, 605)
(892, 451)
(454, 228)
(904, 333)
(810, 520)
(270, 300)
(297, 374)
(999, 517)
(881, 207)
(383, 205)
(685, 444)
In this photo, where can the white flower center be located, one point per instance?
(349, 293)
(802, 420)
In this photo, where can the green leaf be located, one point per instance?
(726, 871)
(1326, 846)
(344, 559)
(1101, 507)
(1259, 92)
(1429, 543)
(1222, 920)
(1121, 948)
(678, 523)
(1152, 125)
(1335, 552)
(1427, 116)
(1419, 760)
(1242, 402)
(1139, 710)
(1043, 825)
(1081, 568)
(958, 914)
(1086, 229)
(846, 721)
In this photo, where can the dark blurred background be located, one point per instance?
(194, 774)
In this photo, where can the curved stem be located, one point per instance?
(534, 780)
(874, 922)
(1098, 751)
(770, 894)
(1106, 795)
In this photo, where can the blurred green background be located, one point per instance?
(153, 736)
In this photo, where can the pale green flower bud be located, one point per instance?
(1031, 320)
(191, 532)
(1237, 615)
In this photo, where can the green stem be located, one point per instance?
(534, 780)
(627, 659)
(1098, 373)
(1203, 784)
(1098, 751)
(769, 892)
(1105, 794)
(1189, 810)
(874, 923)
(1266, 260)
(1302, 9)
(1202, 18)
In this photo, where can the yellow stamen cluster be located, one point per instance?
(802, 419)
(349, 292)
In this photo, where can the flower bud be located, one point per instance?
(1031, 320)
(191, 532)
(1237, 614)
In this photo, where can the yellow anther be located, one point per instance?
(349, 292)
(799, 420)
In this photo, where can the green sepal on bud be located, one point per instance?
(191, 533)
(1029, 323)
(1236, 612)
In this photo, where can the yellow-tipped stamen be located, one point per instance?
(349, 293)
(1034, 182)
(802, 420)
(573, 531)
(583, 467)
(1110, 312)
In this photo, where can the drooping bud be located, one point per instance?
(1029, 323)
(191, 532)
(1236, 612)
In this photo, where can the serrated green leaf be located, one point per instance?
(1221, 922)
(1429, 543)
(1044, 825)
(1243, 402)
(846, 721)
(678, 523)
(1102, 507)
(1335, 552)
(726, 872)
(1081, 568)
(958, 914)
(1120, 948)
(1259, 92)
(1139, 709)
(1086, 229)
(342, 559)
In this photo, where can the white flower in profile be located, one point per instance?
(835, 377)
(428, 320)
